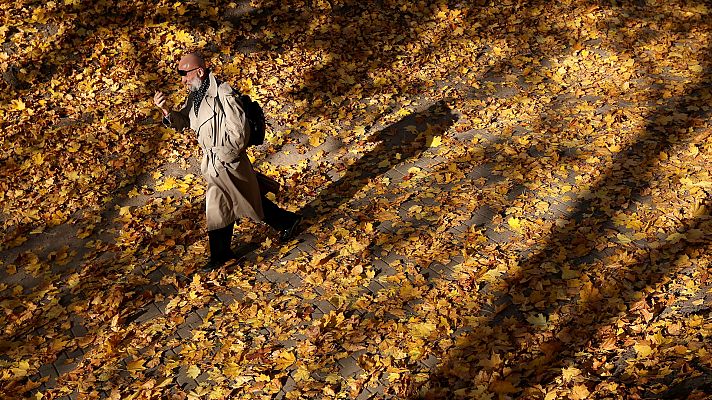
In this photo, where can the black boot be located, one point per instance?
(220, 241)
(285, 222)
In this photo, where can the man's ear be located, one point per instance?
(201, 72)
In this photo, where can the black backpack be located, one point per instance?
(256, 119)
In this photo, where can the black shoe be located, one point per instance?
(286, 234)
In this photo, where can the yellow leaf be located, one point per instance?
(580, 392)
(369, 227)
(135, 365)
(384, 163)
(193, 371)
(301, 374)
(675, 237)
(21, 369)
(434, 141)
(168, 184)
(694, 150)
(537, 320)
(412, 129)
(567, 273)
(18, 105)
(643, 349)
(515, 224)
(623, 239)
(315, 140)
(569, 373)
(695, 234)
(184, 37)
(38, 158)
(492, 362)
(285, 360)
(422, 330)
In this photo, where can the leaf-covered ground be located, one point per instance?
(503, 200)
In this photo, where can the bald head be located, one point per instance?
(190, 61)
(191, 68)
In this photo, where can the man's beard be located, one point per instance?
(194, 84)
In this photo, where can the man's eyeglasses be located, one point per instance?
(183, 72)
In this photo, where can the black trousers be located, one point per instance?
(221, 239)
(276, 217)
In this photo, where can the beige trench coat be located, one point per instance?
(222, 130)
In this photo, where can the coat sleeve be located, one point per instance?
(179, 120)
(237, 130)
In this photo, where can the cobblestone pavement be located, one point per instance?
(315, 299)
(286, 282)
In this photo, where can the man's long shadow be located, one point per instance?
(397, 143)
(400, 142)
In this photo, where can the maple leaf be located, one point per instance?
(193, 371)
(538, 320)
(136, 365)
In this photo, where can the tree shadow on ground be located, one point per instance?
(357, 176)
(533, 356)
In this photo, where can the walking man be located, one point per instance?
(214, 112)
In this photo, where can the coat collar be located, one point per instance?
(213, 87)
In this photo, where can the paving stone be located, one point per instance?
(76, 355)
(394, 175)
(161, 305)
(499, 237)
(168, 290)
(185, 332)
(365, 395)
(377, 390)
(226, 298)
(273, 276)
(289, 386)
(202, 377)
(78, 330)
(294, 280)
(374, 286)
(324, 306)
(48, 370)
(349, 367)
(382, 268)
(320, 292)
(184, 381)
(150, 312)
(202, 313)
(385, 227)
(156, 275)
(430, 362)
(307, 242)
(64, 365)
(316, 314)
(239, 293)
(194, 319)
